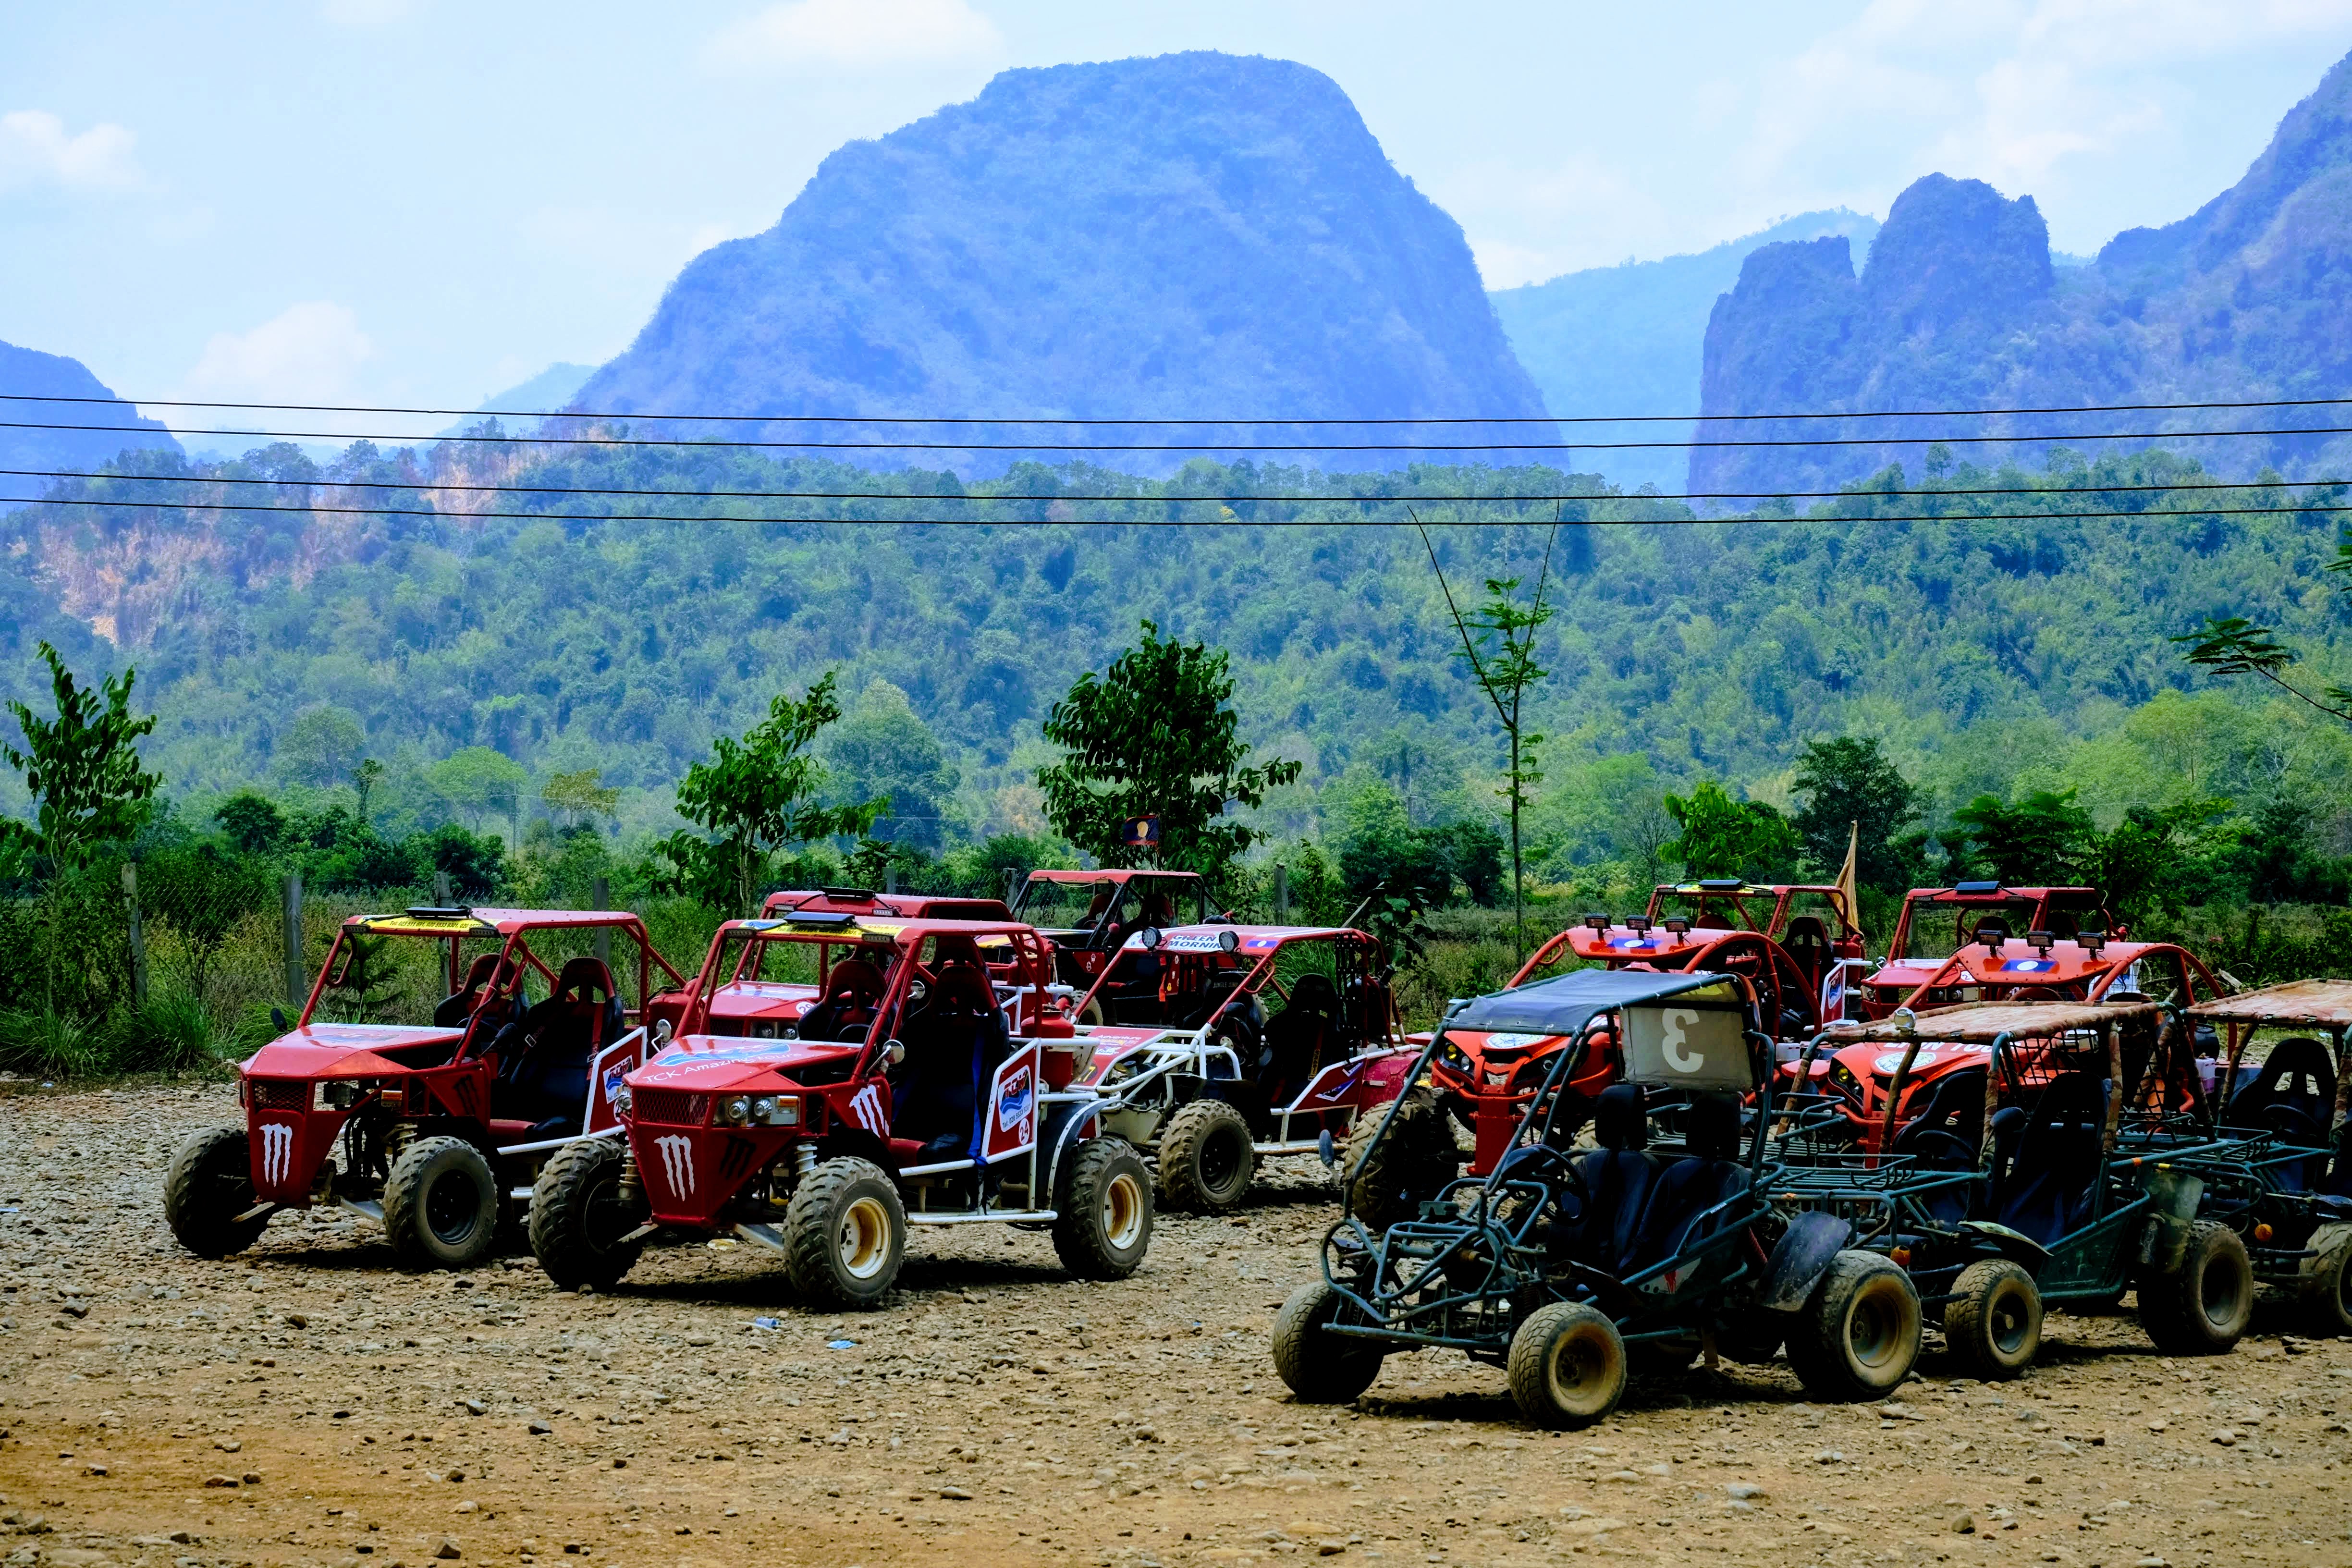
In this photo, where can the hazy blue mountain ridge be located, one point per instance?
(1622, 339)
(1197, 236)
(30, 374)
(1959, 307)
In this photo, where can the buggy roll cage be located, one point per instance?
(456, 926)
(1500, 1240)
(1218, 939)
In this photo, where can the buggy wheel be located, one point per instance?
(441, 1204)
(844, 1235)
(1207, 1158)
(1993, 1322)
(1567, 1365)
(1858, 1334)
(2201, 1308)
(210, 1184)
(578, 1215)
(2327, 1288)
(1105, 1207)
(1320, 1368)
(1388, 1179)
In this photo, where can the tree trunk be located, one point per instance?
(1518, 883)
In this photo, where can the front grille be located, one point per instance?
(280, 1094)
(671, 1106)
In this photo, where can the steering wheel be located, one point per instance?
(1543, 1163)
(1934, 1147)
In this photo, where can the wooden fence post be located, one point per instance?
(297, 979)
(441, 889)
(138, 936)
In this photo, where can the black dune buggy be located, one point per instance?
(1562, 1260)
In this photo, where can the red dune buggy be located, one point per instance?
(1792, 944)
(1938, 922)
(930, 1083)
(440, 1121)
(1229, 1043)
(1090, 915)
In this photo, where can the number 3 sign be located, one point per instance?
(1688, 1047)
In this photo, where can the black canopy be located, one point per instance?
(1566, 1003)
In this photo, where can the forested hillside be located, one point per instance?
(1960, 308)
(1979, 651)
(1630, 339)
(1196, 236)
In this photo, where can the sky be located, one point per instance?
(424, 202)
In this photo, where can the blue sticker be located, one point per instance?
(2031, 965)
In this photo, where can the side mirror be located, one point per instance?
(662, 1032)
(893, 1052)
(278, 1018)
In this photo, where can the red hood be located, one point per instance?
(750, 998)
(709, 1064)
(341, 1050)
(1879, 1058)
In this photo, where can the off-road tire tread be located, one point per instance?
(1078, 1241)
(1419, 1147)
(1319, 1371)
(1529, 1375)
(2171, 1311)
(404, 1196)
(558, 1218)
(1817, 1351)
(1179, 1147)
(1965, 1334)
(809, 1240)
(2323, 1300)
(207, 1236)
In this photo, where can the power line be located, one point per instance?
(1187, 522)
(1153, 499)
(1256, 420)
(1085, 447)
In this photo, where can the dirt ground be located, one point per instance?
(310, 1405)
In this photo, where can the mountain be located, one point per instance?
(1960, 307)
(29, 373)
(1196, 236)
(550, 391)
(1630, 339)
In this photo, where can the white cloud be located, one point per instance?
(854, 35)
(310, 350)
(34, 150)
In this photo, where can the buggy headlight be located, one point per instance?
(735, 1109)
(624, 1100)
(343, 1093)
(776, 1110)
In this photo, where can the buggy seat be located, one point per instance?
(1617, 1180)
(544, 1058)
(953, 1044)
(852, 993)
(1677, 1216)
(1300, 1039)
(2047, 1165)
(2292, 1094)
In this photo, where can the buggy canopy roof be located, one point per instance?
(1981, 1023)
(457, 920)
(2313, 1003)
(1566, 1003)
(1112, 874)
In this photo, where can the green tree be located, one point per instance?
(1155, 736)
(2041, 840)
(322, 748)
(882, 749)
(1725, 838)
(582, 796)
(1498, 641)
(2143, 863)
(476, 780)
(755, 797)
(364, 778)
(251, 822)
(82, 768)
(1852, 791)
